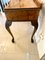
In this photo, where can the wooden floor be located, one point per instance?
(23, 49)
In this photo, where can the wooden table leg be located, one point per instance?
(35, 24)
(7, 25)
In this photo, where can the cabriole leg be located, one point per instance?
(7, 25)
(35, 24)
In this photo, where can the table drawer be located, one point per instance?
(21, 15)
(33, 15)
(17, 15)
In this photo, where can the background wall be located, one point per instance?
(41, 43)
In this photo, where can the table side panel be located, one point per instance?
(22, 15)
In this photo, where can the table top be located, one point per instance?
(22, 4)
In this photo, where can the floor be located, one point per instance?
(23, 49)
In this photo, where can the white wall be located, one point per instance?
(41, 42)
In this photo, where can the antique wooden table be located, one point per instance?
(22, 10)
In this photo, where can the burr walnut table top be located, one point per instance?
(21, 4)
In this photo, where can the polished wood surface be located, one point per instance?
(22, 10)
(21, 4)
(22, 14)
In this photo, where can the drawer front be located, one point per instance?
(22, 15)
(16, 15)
(33, 15)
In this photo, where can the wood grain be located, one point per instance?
(18, 10)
